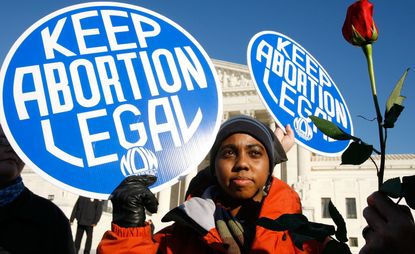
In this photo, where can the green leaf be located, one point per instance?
(392, 115)
(330, 129)
(408, 189)
(395, 97)
(341, 232)
(392, 187)
(299, 227)
(311, 231)
(356, 153)
(335, 247)
(300, 239)
(284, 222)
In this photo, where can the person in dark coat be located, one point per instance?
(87, 212)
(28, 222)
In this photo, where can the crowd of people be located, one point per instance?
(219, 215)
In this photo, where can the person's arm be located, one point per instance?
(64, 238)
(73, 214)
(129, 231)
(130, 240)
(98, 212)
(390, 229)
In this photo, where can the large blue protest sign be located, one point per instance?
(293, 85)
(95, 92)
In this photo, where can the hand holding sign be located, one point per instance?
(130, 200)
(286, 139)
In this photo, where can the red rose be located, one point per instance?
(359, 28)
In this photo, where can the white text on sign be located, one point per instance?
(303, 78)
(92, 83)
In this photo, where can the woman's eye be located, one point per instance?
(255, 153)
(228, 153)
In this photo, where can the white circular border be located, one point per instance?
(204, 149)
(251, 42)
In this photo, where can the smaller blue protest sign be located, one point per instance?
(95, 92)
(294, 85)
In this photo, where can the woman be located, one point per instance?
(221, 210)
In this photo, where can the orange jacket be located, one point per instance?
(181, 239)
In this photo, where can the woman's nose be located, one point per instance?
(242, 162)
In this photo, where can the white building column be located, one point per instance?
(247, 112)
(188, 179)
(164, 201)
(163, 208)
(225, 116)
(304, 161)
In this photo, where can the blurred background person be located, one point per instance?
(87, 212)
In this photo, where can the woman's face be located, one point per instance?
(242, 167)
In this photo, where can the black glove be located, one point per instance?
(131, 198)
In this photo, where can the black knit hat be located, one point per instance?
(254, 128)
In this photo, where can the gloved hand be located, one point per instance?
(131, 198)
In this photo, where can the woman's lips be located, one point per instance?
(241, 181)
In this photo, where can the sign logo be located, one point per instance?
(98, 91)
(293, 85)
(146, 158)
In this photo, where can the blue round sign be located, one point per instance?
(95, 92)
(293, 85)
